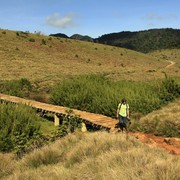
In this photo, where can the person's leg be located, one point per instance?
(124, 119)
(121, 122)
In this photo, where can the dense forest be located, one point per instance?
(142, 41)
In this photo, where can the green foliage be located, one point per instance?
(169, 90)
(143, 41)
(156, 126)
(20, 88)
(69, 124)
(31, 40)
(80, 37)
(99, 95)
(17, 33)
(19, 126)
(43, 42)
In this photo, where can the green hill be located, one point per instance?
(143, 41)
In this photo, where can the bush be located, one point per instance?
(169, 90)
(156, 126)
(20, 88)
(19, 125)
(70, 123)
(99, 95)
(43, 42)
(31, 40)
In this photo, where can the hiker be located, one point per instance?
(123, 114)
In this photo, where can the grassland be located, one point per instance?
(169, 55)
(46, 60)
(93, 156)
(160, 122)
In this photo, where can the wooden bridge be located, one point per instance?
(97, 120)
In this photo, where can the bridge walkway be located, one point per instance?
(87, 117)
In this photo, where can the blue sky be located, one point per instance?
(88, 17)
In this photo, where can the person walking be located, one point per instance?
(123, 114)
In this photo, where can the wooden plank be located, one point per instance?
(97, 119)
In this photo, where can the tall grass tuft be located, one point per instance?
(8, 164)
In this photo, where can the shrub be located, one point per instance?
(18, 88)
(31, 40)
(17, 33)
(157, 126)
(43, 42)
(19, 125)
(98, 95)
(69, 124)
(169, 89)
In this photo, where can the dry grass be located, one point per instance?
(164, 122)
(62, 58)
(167, 56)
(97, 156)
(92, 155)
(170, 112)
(7, 164)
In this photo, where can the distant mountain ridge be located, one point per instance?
(83, 38)
(75, 36)
(142, 41)
(59, 35)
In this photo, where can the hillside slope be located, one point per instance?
(93, 156)
(45, 59)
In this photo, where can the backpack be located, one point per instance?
(127, 106)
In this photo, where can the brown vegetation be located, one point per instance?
(95, 156)
(60, 58)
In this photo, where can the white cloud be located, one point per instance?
(58, 21)
(155, 16)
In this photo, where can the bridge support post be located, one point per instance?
(83, 129)
(56, 120)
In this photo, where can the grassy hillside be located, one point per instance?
(46, 60)
(93, 156)
(164, 122)
(169, 55)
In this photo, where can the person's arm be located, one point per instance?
(117, 113)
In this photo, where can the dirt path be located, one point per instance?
(172, 145)
(171, 64)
